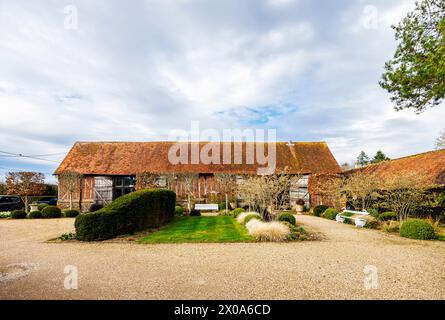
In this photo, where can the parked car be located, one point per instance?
(49, 201)
(9, 203)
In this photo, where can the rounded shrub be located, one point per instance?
(195, 213)
(320, 209)
(42, 205)
(387, 216)
(179, 211)
(287, 216)
(417, 229)
(236, 212)
(51, 212)
(18, 214)
(35, 215)
(71, 213)
(250, 217)
(330, 213)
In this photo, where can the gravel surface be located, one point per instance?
(331, 268)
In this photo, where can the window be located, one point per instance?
(123, 185)
(4, 200)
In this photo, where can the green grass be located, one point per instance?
(200, 229)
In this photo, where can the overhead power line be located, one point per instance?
(20, 155)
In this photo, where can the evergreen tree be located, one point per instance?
(362, 159)
(379, 157)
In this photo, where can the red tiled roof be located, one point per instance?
(429, 164)
(129, 158)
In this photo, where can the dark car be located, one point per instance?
(49, 201)
(9, 203)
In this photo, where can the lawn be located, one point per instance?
(200, 229)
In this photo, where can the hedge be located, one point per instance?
(287, 216)
(18, 214)
(237, 211)
(71, 213)
(51, 212)
(417, 229)
(250, 217)
(42, 206)
(330, 213)
(35, 215)
(136, 211)
(179, 211)
(318, 210)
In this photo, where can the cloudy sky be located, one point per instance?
(136, 70)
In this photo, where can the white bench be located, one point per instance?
(206, 206)
(359, 222)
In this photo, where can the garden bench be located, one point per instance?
(206, 206)
(359, 222)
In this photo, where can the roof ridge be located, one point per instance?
(397, 159)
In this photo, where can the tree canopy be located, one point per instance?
(362, 159)
(440, 141)
(379, 157)
(415, 77)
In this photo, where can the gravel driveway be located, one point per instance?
(331, 268)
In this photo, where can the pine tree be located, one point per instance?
(362, 159)
(379, 157)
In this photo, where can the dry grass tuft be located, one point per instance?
(268, 231)
(391, 226)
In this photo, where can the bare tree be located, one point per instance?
(405, 193)
(71, 182)
(330, 188)
(188, 180)
(226, 184)
(362, 188)
(440, 141)
(268, 192)
(25, 184)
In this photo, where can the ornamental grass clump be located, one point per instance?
(268, 231)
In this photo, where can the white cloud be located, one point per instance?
(135, 72)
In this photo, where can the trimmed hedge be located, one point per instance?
(417, 229)
(42, 206)
(18, 214)
(320, 209)
(287, 216)
(235, 212)
(330, 213)
(51, 212)
(71, 213)
(35, 215)
(179, 211)
(387, 216)
(139, 210)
